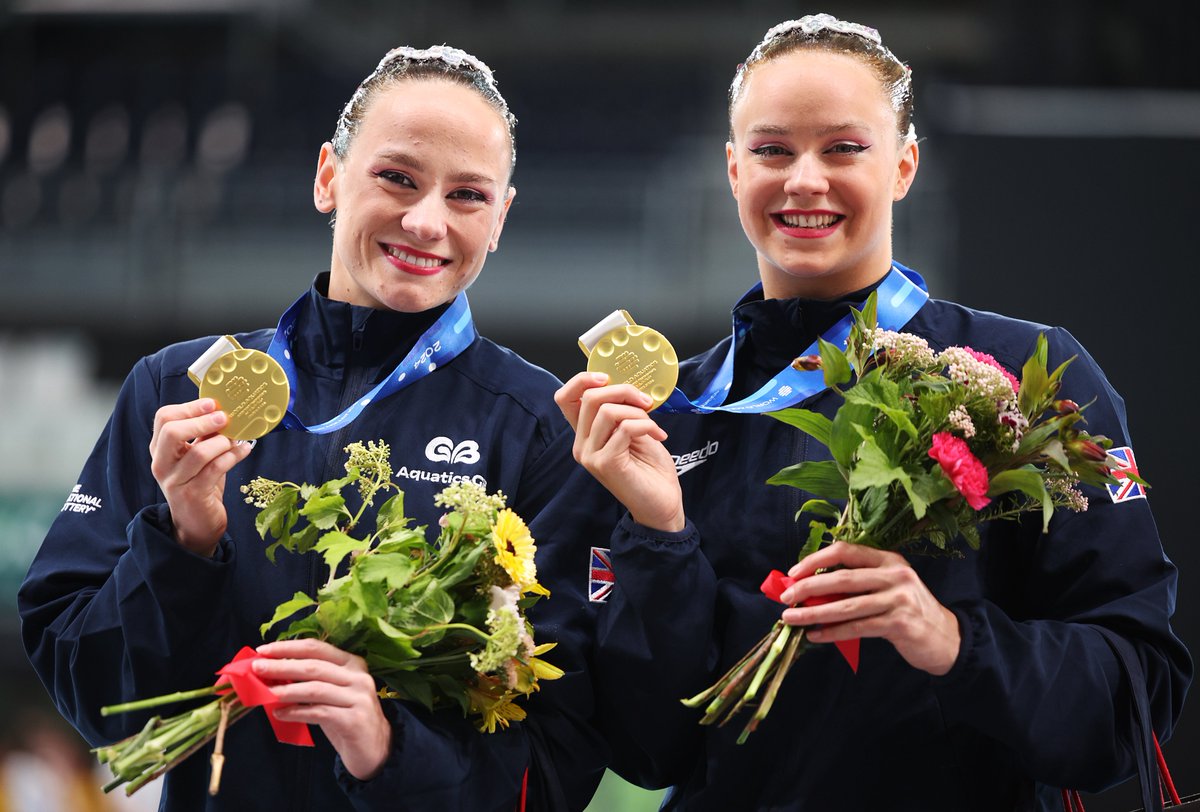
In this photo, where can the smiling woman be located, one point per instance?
(815, 167)
(418, 175)
(986, 681)
(166, 579)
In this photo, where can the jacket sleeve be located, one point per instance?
(1036, 674)
(441, 762)
(655, 646)
(112, 608)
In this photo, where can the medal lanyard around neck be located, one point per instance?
(452, 333)
(900, 296)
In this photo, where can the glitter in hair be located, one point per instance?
(440, 61)
(826, 32)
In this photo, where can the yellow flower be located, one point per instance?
(536, 589)
(544, 670)
(501, 714)
(494, 710)
(515, 549)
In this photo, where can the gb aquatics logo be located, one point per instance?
(443, 449)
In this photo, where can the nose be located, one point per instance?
(806, 176)
(425, 219)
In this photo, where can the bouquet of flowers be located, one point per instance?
(925, 447)
(439, 622)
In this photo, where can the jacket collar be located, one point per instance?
(332, 336)
(778, 330)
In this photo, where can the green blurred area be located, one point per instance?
(25, 517)
(617, 795)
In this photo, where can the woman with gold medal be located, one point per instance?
(165, 579)
(985, 682)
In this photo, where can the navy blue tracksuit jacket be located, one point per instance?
(1036, 699)
(113, 609)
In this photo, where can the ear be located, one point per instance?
(906, 170)
(508, 199)
(325, 182)
(731, 164)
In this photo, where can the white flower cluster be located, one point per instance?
(504, 625)
(469, 497)
(1066, 491)
(980, 378)
(905, 348)
(1011, 418)
(960, 419)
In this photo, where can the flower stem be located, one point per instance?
(165, 699)
(461, 627)
(763, 670)
(218, 757)
(707, 694)
(789, 657)
(736, 685)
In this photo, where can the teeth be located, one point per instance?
(420, 262)
(809, 220)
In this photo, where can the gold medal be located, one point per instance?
(248, 385)
(634, 354)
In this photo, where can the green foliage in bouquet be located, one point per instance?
(925, 447)
(430, 618)
(439, 622)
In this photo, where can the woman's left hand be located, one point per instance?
(881, 595)
(330, 688)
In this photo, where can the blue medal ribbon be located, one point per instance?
(900, 296)
(452, 333)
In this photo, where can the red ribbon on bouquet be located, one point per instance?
(773, 588)
(253, 690)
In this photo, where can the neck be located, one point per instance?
(820, 286)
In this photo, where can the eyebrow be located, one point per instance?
(832, 129)
(405, 159)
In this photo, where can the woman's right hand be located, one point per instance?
(618, 442)
(189, 460)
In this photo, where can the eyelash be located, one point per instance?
(768, 151)
(392, 176)
(471, 195)
(843, 148)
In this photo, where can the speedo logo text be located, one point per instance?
(686, 462)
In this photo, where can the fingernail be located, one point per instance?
(646, 399)
(600, 377)
(218, 418)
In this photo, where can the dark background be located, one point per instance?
(156, 165)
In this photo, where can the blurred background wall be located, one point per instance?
(156, 162)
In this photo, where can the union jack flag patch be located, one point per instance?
(600, 575)
(1126, 488)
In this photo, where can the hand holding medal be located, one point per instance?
(633, 354)
(248, 385)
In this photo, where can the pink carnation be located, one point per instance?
(962, 468)
(992, 362)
